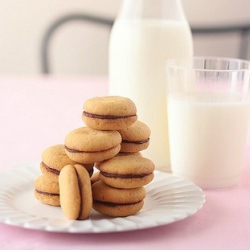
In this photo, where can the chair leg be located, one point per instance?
(45, 65)
(243, 53)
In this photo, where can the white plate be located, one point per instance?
(169, 199)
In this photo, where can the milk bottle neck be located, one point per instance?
(152, 9)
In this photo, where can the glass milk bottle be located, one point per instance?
(145, 35)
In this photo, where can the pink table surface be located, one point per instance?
(39, 112)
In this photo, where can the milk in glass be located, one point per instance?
(208, 139)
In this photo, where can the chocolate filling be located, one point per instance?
(52, 170)
(81, 194)
(111, 117)
(57, 172)
(136, 142)
(123, 176)
(71, 150)
(111, 204)
(46, 193)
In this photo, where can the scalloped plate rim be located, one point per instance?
(179, 208)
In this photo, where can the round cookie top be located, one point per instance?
(89, 140)
(136, 132)
(106, 193)
(110, 106)
(55, 157)
(127, 165)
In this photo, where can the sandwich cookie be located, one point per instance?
(75, 192)
(47, 191)
(109, 113)
(117, 202)
(135, 138)
(86, 145)
(126, 171)
(54, 158)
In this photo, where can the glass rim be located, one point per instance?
(173, 64)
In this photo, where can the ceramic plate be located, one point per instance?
(169, 199)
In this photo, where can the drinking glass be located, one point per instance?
(208, 115)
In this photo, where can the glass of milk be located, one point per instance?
(208, 117)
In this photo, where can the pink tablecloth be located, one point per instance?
(36, 113)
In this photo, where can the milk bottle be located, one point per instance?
(145, 35)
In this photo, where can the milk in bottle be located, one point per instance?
(145, 35)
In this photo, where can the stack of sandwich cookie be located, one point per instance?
(54, 158)
(64, 183)
(116, 202)
(122, 176)
(112, 140)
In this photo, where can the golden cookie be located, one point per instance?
(109, 113)
(47, 191)
(86, 145)
(126, 171)
(117, 202)
(75, 192)
(135, 138)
